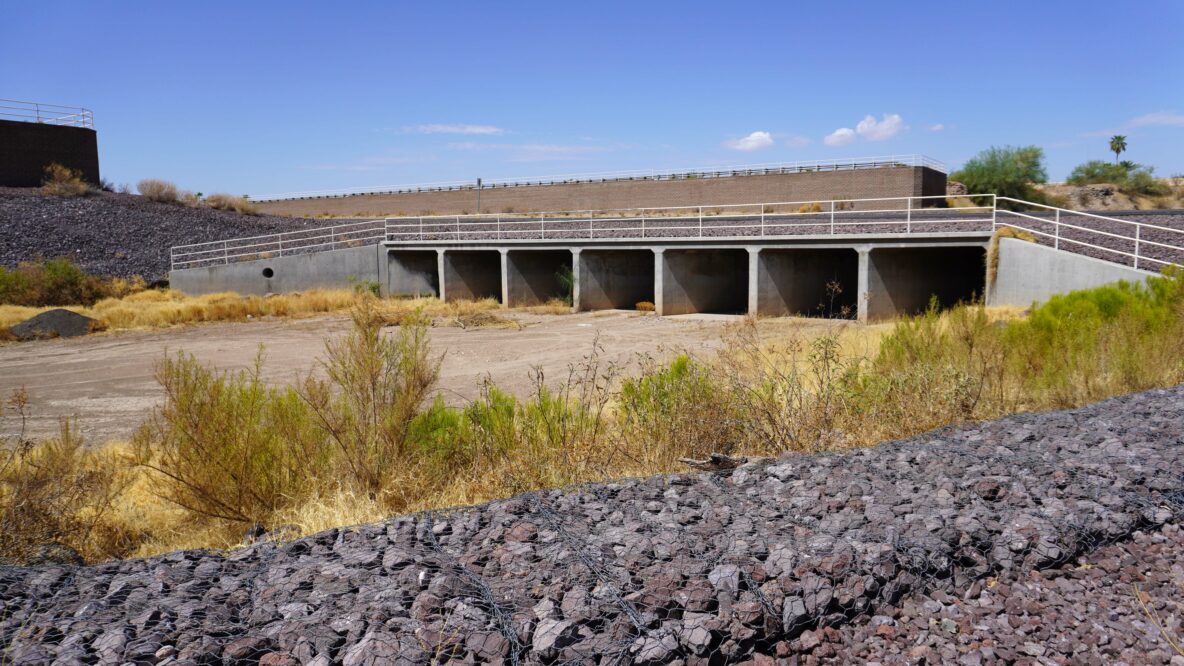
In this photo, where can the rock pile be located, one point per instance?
(939, 542)
(56, 323)
(117, 234)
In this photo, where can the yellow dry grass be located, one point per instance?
(165, 308)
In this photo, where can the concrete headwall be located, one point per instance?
(327, 270)
(806, 186)
(27, 148)
(1029, 273)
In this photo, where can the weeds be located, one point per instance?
(231, 202)
(61, 181)
(59, 282)
(157, 190)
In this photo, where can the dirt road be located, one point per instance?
(106, 381)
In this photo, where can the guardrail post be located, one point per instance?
(1138, 228)
(1056, 240)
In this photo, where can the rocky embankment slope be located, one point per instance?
(117, 234)
(1015, 541)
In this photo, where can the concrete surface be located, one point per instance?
(1029, 273)
(413, 273)
(533, 276)
(328, 269)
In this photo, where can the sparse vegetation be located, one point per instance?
(1130, 178)
(644, 306)
(221, 201)
(61, 181)
(58, 282)
(361, 438)
(158, 190)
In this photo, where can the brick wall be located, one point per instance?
(823, 185)
(27, 148)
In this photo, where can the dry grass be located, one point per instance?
(61, 181)
(993, 249)
(158, 190)
(222, 201)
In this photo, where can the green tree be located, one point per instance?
(1009, 171)
(1117, 145)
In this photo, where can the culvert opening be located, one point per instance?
(413, 273)
(808, 282)
(902, 281)
(268, 273)
(705, 281)
(616, 279)
(538, 276)
(472, 275)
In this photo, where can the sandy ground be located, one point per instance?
(106, 381)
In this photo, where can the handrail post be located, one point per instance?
(332, 237)
(280, 239)
(421, 227)
(458, 227)
(643, 224)
(591, 214)
(1056, 241)
(908, 220)
(225, 253)
(499, 226)
(994, 212)
(700, 222)
(832, 217)
(762, 220)
(1138, 228)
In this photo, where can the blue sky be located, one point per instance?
(264, 97)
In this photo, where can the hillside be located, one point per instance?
(117, 234)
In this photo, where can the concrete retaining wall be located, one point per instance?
(1029, 273)
(27, 148)
(329, 269)
(810, 186)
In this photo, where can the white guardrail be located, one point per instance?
(50, 114)
(847, 164)
(1126, 242)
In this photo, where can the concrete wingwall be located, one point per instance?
(1028, 273)
(640, 193)
(27, 148)
(326, 270)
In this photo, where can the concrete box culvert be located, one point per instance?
(704, 281)
(902, 281)
(413, 273)
(537, 276)
(614, 279)
(808, 282)
(472, 275)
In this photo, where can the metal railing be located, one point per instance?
(716, 222)
(1138, 244)
(848, 164)
(221, 252)
(50, 114)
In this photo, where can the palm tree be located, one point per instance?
(1117, 145)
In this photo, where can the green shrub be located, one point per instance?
(59, 282)
(1008, 172)
(1130, 178)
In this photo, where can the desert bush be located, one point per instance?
(59, 282)
(61, 181)
(1130, 178)
(57, 493)
(222, 201)
(157, 190)
(644, 306)
(1008, 172)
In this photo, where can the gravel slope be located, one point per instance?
(946, 539)
(117, 234)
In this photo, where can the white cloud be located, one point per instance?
(797, 141)
(890, 125)
(937, 127)
(1158, 119)
(754, 141)
(840, 137)
(438, 128)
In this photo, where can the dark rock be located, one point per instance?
(56, 323)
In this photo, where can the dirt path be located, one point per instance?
(107, 383)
